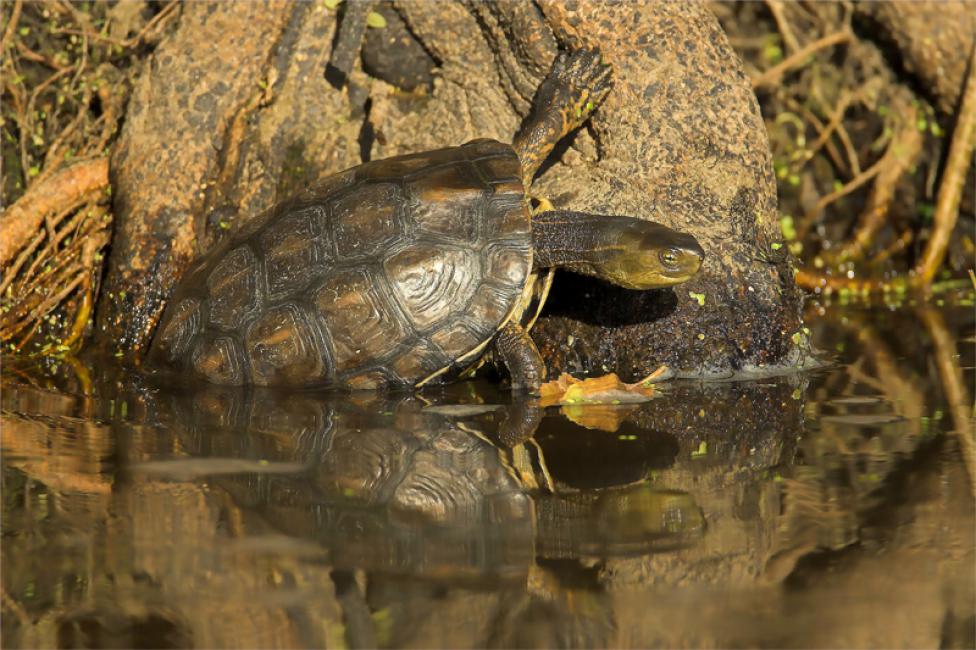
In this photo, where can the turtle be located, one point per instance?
(404, 271)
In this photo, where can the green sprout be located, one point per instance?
(375, 20)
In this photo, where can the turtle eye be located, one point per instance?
(669, 257)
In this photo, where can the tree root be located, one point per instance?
(815, 281)
(12, 25)
(21, 220)
(65, 267)
(774, 74)
(903, 153)
(950, 191)
(810, 218)
(868, 134)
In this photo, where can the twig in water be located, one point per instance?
(953, 387)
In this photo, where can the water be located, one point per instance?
(827, 509)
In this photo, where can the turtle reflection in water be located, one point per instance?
(405, 270)
(392, 487)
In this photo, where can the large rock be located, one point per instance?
(679, 140)
(932, 41)
(230, 114)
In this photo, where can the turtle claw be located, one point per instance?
(577, 84)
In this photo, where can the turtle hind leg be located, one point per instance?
(521, 357)
(578, 82)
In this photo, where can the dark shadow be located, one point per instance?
(584, 458)
(557, 152)
(367, 134)
(596, 302)
(94, 630)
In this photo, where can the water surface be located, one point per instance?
(832, 508)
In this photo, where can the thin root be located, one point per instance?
(950, 191)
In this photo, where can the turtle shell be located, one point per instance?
(383, 274)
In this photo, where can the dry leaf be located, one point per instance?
(607, 389)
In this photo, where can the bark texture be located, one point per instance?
(933, 41)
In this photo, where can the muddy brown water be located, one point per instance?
(827, 509)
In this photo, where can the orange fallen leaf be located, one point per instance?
(607, 389)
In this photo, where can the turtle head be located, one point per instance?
(647, 255)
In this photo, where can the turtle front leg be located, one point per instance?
(522, 418)
(576, 85)
(521, 357)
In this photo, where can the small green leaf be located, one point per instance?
(700, 297)
(926, 211)
(331, 4)
(375, 20)
(787, 227)
(773, 53)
